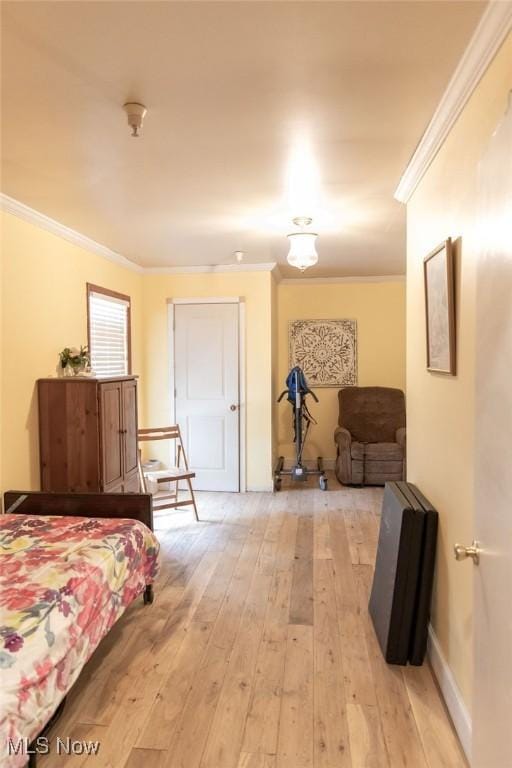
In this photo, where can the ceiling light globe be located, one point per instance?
(302, 253)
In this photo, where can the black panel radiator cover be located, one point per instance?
(404, 571)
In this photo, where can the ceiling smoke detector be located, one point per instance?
(136, 113)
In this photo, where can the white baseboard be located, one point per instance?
(311, 463)
(260, 489)
(451, 693)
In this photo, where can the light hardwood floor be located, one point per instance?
(258, 651)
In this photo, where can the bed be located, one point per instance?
(70, 564)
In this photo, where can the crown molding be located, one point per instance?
(494, 26)
(336, 280)
(211, 269)
(277, 274)
(22, 211)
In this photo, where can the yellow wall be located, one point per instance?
(43, 303)
(255, 288)
(275, 365)
(379, 309)
(440, 409)
(43, 310)
(1, 355)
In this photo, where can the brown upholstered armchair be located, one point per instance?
(370, 438)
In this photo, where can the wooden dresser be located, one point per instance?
(88, 434)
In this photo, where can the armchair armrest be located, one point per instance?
(401, 438)
(342, 438)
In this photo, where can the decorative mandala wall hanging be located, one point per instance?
(326, 350)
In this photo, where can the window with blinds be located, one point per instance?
(109, 332)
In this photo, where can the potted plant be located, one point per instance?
(74, 361)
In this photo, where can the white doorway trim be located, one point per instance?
(171, 303)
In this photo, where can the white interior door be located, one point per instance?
(207, 399)
(492, 681)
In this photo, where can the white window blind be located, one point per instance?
(108, 334)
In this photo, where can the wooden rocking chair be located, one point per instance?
(170, 475)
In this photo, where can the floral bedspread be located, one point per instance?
(64, 581)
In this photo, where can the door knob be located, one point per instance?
(461, 552)
(233, 407)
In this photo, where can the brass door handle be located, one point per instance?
(462, 553)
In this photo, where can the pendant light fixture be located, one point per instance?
(302, 253)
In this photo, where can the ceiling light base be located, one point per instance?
(302, 221)
(136, 113)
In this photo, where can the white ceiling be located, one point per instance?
(235, 92)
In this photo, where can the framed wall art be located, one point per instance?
(326, 350)
(438, 268)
